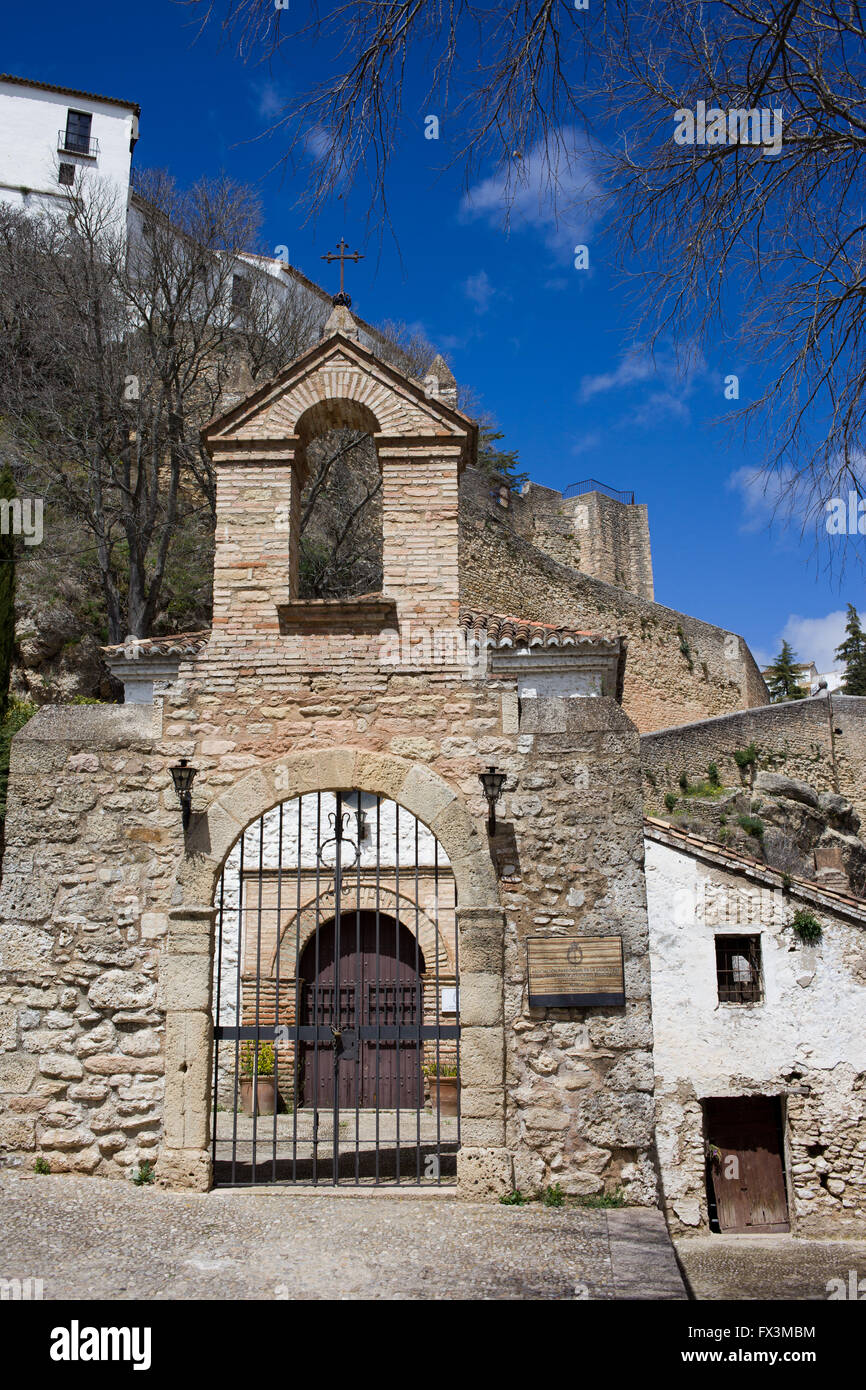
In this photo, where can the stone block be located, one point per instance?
(186, 982)
(184, 1170)
(482, 1057)
(480, 999)
(484, 1174)
(17, 1133)
(61, 1066)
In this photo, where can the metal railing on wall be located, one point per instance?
(593, 485)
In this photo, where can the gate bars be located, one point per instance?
(328, 1012)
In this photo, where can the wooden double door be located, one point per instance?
(746, 1164)
(377, 990)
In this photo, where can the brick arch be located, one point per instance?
(341, 378)
(403, 908)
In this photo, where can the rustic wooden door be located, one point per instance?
(746, 1163)
(380, 990)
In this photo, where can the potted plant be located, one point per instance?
(260, 1077)
(444, 1087)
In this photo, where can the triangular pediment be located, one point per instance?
(339, 382)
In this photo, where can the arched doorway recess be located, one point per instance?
(335, 998)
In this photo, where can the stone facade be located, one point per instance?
(107, 908)
(803, 1043)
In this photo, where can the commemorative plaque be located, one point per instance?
(574, 972)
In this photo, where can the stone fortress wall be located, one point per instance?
(678, 669)
(793, 739)
(594, 533)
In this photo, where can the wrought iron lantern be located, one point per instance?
(492, 782)
(183, 777)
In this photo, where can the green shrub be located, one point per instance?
(266, 1059)
(554, 1195)
(602, 1199)
(17, 714)
(806, 926)
(42, 1165)
(513, 1199)
(746, 760)
(443, 1069)
(684, 782)
(713, 775)
(670, 800)
(753, 825)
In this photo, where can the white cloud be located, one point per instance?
(773, 495)
(637, 365)
(675, 377)
(271, 103)
(813, 639)
(586, 442)
(479, 290)
(551, 190)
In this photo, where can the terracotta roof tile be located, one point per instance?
(733, 860)
(176, 644)
(504, 631)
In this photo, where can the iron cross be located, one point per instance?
(342, 255)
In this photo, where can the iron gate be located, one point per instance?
(336, 1021)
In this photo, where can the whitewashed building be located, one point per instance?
(50, 135)
(53, 137)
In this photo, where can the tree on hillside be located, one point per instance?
(561, 104)
(782, 677)
(114, 351)
(853, 653)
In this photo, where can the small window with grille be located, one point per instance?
(738, 969)
(66, 174)
(240, 293)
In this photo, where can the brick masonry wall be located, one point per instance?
(679, 669)
(793, 739)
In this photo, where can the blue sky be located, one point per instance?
(547, 348)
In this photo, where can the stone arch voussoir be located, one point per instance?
(422, 792)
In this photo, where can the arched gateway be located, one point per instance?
(335, 1000)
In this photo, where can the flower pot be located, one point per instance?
(265, 1095)
(445, 1094)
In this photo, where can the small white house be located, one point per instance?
(759, 1045)
(51, 134)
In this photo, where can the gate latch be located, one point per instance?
(345, 1044)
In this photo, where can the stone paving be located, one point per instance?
(92, 1238)
(773, 1266)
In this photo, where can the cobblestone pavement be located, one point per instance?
(775, 1267)
(91, 1238)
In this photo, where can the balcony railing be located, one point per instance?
(67, 143)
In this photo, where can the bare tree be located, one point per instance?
(714, 234)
